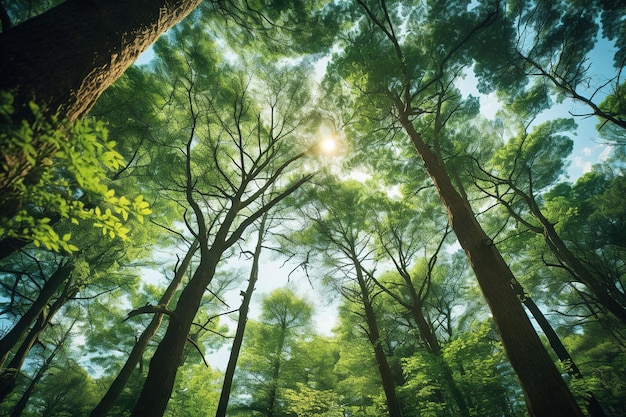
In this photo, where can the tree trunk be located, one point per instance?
(433, 347)
(545, 392)
(66, 57)
(164, 364)
(9, 376)
(45, 295)
(386, 376)
(608, 295)
(118, 384)
(21, 403)
(241, 325)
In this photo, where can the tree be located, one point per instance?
(401, 236)
(232, 166)
(118, 384)
(241, 321)
(516, 176)
(338, 230)
(284, 320)
(416, 89)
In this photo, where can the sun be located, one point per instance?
(328, 145)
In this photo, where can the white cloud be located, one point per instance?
(606, 153)
(585, 166)
(489, 105)
(587, 151)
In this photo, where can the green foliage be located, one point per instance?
(307, 402)
(423, 389)
(483, 374)
(66, 391)
(196, 393)
(66, 166)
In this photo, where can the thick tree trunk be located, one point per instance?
(118, 384)
(164, 364)
(386, 376)
(545, 392)
(241, 325)
(45, 295)
(66, 57)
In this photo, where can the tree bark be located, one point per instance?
(241, 325)
(118, 384)
(66, 57)
(545, 392)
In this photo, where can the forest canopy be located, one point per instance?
(327, 208)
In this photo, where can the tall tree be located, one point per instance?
(408, 67)
(232, 165)
(338, 215)
(241, 321)
(285, 318)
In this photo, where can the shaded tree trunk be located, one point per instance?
(603, 288)
(118, 384)
(23, 401)
(164, 364)
(66, 57)
(241, 325)
(9, 376)
(373, 334)
(545, 392)
(43, 298)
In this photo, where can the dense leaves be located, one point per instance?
(126, 241)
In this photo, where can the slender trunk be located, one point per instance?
(434, 348)
(604, 290)
(241, 324)
(164, 364)
(545, 392)
(591, 403)
(386, 376)
(9, 376)
(43, 298)
(271, 401)
(606, 295)
(120, 381)
(21, 403)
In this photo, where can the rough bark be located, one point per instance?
(66, 57)
(120, 381)
(545, 392)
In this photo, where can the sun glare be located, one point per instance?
(328, 145)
